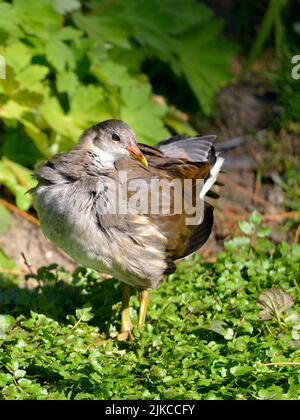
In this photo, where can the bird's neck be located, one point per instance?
(106, 160)
(101, 159)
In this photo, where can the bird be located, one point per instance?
(76, 194)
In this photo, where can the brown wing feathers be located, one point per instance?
(183, 157)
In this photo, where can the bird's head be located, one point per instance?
(112, 140)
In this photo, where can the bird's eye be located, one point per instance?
(115, 137)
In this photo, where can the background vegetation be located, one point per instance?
(160, 65)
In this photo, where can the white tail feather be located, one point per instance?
(212, 178)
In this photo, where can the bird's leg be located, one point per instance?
(144, 296)
(126, 324)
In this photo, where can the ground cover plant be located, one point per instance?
(212, 330)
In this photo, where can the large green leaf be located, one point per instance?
(8, 19)
(58, 120)
(67, 81)
(31, 76)
(106, 27)
(137, 106)
(143, 114)
(12, 110)
(199, 53)
(205, 63)
(37, 18)
(89, 106)
(59, 54)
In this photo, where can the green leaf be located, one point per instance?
(111, 73)
(27, 98)
(18, 56)
(67, 82)
(30, 77)
(8, 19)
(23, 174)
(84, 314)
(236, 243)
(6, 262)
(143, 114)
(12, 110)
(39, 138)
(89, 106)
(263, 245)
(198, 53)
(19, 373)
(58, 120)
(270, 393)
(246, 227)
(60, 55)
(37, 17)
(110, 26)
(255, 218)
(240, 370)
(68, 33)
(6, 321)
(263, 231)
(204, 61)
(229, 334)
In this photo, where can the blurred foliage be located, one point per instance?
(272, 23)
(70, 66)
(280, 30)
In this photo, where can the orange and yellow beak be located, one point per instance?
(137, 154)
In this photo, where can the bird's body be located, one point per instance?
(76, 203)
(128, 247)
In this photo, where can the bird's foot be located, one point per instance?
(126, 325)
(124, 336)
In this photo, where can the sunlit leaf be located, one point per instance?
(18, 56)
(37, 17)
(246, 227)
(59, 54)
(255, 218)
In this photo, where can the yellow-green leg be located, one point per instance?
(144, 296)
(126, 324)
